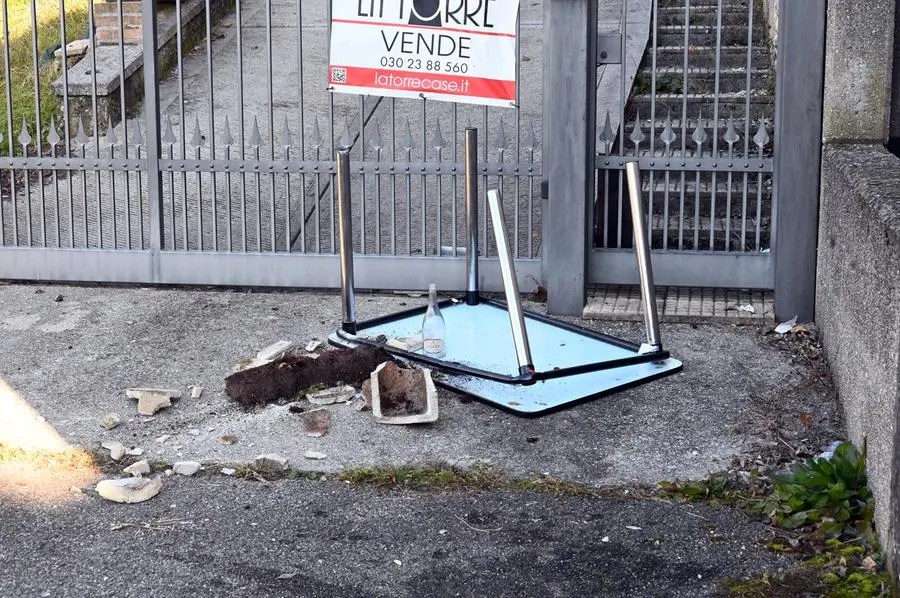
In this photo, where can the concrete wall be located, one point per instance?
(895, 96)
(858, 311)
(770, 10)
(858, 70)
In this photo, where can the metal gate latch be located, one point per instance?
(609, 48)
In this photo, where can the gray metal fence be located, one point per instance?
(222, 169)
(194, 143)
(693, 102)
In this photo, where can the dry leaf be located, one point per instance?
(805, 418)
(228, 439)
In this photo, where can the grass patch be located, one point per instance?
(43, 459)
(475, 479)
(843, 570)
(21, 58)
(825, 509)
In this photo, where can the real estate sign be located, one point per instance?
(451, 50)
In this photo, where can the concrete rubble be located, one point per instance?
(116, 450)
(186, 468)
(138, 468)
(271, 462)
(274, 351)
(110, 421)
(329, 396)
(315, 423)
(129, 490)
(151, 400)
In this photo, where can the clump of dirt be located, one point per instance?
(285, 376)
(402, 392)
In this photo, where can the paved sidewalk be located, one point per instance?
(72, 361)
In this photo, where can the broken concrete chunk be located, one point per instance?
(329, 396)
(187, 468)
(284, 377)
(135, 452)
(270, 462)
(138, 469)
(315, 455)
(274, 351)
(247, 363)
(412, 343)
(403, 396)
(74, 48)
(151, 400)
(313, 345)
(367, 395)
(116, 450)
(315, 423)
(196, 392)
(129, 490)
(110, 421)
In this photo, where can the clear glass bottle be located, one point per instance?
(433, 327)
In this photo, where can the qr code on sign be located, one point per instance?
(339, 75)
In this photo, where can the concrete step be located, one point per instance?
(762, 104)
(705, 57)
(695, 4)
(681, 305)
(703, 35)
(704, 15)
(671, 79)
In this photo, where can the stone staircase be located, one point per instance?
(661, 97)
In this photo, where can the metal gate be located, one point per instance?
(194, 143)
(687, 89)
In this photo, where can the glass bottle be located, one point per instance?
(433, 328)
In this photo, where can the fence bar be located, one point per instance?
(471, 216)
(38, 135)
(570, 44)
(798, 153)
(345, 216)
(510, 285)
(642, 248)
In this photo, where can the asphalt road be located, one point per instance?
(216, 536)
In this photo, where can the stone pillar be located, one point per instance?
(858, 70)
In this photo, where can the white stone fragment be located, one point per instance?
(151, 400)
(110, 421)
(315, 455)
(329, 396)
(274, 351)
(138, 469)
(116, 450)
(187, 468)
(129, 490)
(271, 461)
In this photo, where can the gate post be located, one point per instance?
(798, 155)
(154, 144)
(570, 78)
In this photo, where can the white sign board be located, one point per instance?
(451, 50)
